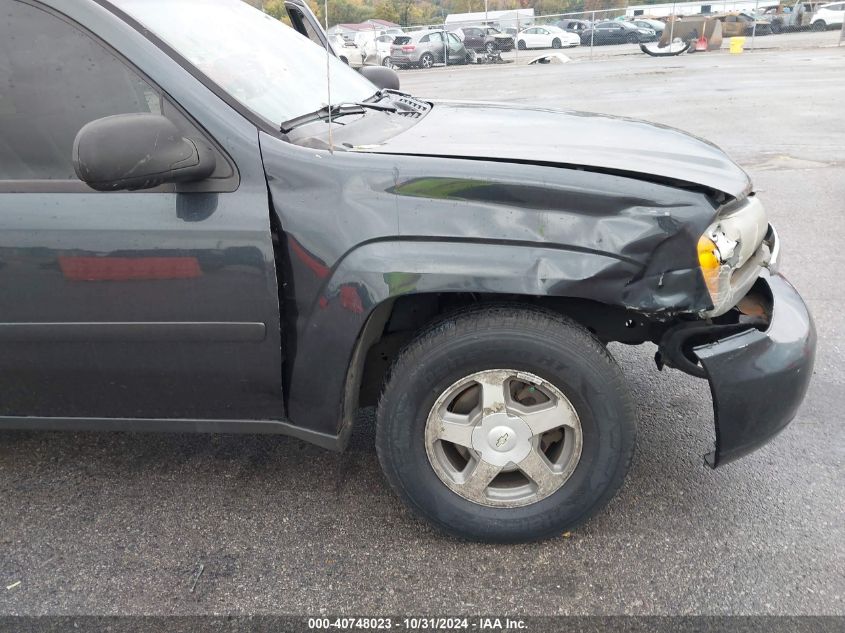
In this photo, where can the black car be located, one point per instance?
(191, 244)
(616, 32)
(573, 26)
(484, 39)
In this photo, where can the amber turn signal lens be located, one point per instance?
(708, 260)
(708, 255)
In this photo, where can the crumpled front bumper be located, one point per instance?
(758, 379)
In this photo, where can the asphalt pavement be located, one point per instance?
(178, 524)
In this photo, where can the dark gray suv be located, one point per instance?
(194, 237)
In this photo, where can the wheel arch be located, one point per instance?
(388, 287)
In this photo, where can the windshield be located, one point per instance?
(261, 62)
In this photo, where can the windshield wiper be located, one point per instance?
(334, 110)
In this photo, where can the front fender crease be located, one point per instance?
(379, 271)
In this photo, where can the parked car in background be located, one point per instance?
(737, 24)
(546, 37)
(347, 52)
(426, 48)
(573, 26)
(828, 16)
(377, 51)
(617, 32)
(484, 39)
(644, 23)
(364, 38)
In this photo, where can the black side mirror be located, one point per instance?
(382, 76)
(138, 151)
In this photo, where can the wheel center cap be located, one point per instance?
(502, 439)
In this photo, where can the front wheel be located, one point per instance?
(555, 43)
(521, 45)
(490, 47)
(505, 424)
(633, 38)
(819, 25)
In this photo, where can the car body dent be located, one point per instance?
(547, 136)
(361, 229)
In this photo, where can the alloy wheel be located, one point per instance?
(503, 438)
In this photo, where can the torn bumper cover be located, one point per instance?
(759, 378)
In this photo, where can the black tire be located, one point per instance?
(776, 27)
(521, 45)
(819, 25)
(545, 344)
(555, 43)
(426, 60)
(387, 63)
(490, 47)
(633, 38)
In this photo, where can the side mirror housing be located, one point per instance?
(138, 151)
(383, 77)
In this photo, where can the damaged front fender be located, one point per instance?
(359, 229)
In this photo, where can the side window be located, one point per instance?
(424, 39)
(53, 80)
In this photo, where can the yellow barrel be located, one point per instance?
(736, 45)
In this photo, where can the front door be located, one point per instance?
(474, 39)
(436, 46)
(157, 304)
(457, 50)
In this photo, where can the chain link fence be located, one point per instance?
(667, 29)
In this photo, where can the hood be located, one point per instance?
(566, 138)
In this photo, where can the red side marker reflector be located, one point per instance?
(128, 268)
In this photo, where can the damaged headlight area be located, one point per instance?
(733, 251)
